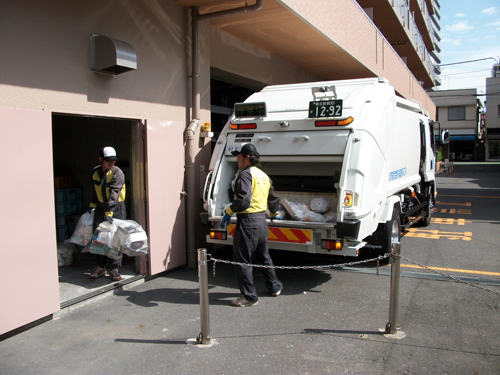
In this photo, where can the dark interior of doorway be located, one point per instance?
(77, 141)
(223, 96)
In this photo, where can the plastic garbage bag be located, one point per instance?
(120, 236)
(295, 209)
(130, 238)
(330, 217)
(65, 252)
(281, 212)
(320, 205)
(101, 241)
(313, 216)
(83, 231)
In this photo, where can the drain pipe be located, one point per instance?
(195, 119)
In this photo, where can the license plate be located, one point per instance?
(325, 108)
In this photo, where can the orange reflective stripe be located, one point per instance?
(300, 236)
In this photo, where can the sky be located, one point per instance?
(470, 30)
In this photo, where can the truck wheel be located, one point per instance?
(426, 221)
(384, 237)
(393, 232)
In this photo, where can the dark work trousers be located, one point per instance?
(250, 246)
(120, 213)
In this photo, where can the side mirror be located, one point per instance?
(444, 137)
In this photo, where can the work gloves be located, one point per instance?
(225, 221)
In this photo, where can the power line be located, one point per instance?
(468, 72)
(464, 62)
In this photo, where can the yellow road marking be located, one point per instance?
(448, 220)
(467, 204)
(436, 234)
(468, 196)
(452, 270)
(462, 211)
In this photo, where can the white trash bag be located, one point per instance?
(296, 210)
(320, 205)
(330, 217)
(313, 216)
(130, 238)
(83, 231)
(65, 251)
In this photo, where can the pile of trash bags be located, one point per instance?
(319, 211)
(110, 238)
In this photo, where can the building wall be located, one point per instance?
(232, 55)
(45, 60)
(46, 57)
(470, 121)
(467, 98)
(493, 102)
(351, 29)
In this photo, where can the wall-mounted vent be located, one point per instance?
(111, 56)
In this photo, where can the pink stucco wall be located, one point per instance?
(28, 282)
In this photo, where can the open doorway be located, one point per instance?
(77, 141)
(225, 90)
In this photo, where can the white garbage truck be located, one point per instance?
(352, 162)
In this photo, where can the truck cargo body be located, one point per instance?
(354, 143)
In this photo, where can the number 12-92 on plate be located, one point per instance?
(325, 108)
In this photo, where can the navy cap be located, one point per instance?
(248, 149)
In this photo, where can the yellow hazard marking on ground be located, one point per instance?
(453, 211)
(448, 220)
(467, 204)
(452, 270)
(468, 196)
(436, 234)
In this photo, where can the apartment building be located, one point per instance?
(143, 77)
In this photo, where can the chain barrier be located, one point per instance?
(458, 280)
(377, 259)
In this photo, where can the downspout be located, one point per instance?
(195, 119)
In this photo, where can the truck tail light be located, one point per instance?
(218, 235)
(343, 122)
(348, 199)
(242, 126)
(331, 245)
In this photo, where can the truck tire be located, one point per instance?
(393, 232)
(426, 221)
(385, 235)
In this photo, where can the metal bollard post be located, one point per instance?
(394, 297)
(204, 336)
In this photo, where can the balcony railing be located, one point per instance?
(403, 7)
(418, 40)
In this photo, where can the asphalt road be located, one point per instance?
(327, 321)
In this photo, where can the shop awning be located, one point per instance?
(462, 137)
